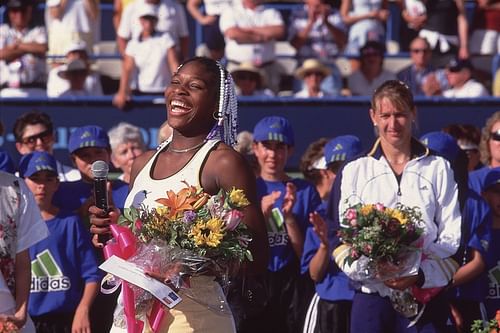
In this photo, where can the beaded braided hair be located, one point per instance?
(226, 115)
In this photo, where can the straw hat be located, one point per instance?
(248, 67)
(312, 65)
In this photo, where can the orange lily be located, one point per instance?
(178, 203)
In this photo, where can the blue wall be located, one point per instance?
(311, 119)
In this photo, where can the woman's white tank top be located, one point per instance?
(146, 189)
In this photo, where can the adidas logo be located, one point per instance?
(46, 275)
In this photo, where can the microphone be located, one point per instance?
(100, 171)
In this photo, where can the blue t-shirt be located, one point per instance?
(61, 265)
(492, 301)
(307, 201)
(6, 162)
(476, 234)
(476, 179)
(335, 285)
(71, 195)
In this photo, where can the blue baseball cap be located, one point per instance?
(342, 148)
(492, 178)
(37, 161)
(88, 136)
(274, 128)
(442, 143)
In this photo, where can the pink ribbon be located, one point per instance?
(125, 246)
(424, 295)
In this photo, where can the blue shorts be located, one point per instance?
(372, 313)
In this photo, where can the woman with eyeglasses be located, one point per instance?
(400, 169)
(34, 131)
(489, 147)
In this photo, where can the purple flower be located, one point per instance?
(189, 216)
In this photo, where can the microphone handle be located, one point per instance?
(101, 201)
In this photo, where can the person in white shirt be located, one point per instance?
(23, 46)
(56, 85)
(371, 73)
(250, 31)
(312, 72)
(459, 74)
(171, 18)
(152, 56)
(22, 226)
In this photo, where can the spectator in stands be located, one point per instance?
(371, 73)
(6, 162)
(485, 37)
(152, 57)
(250, 31)
(171, 18)
(76, 73)
(489, 147)
(459, 73)
(126, 143)
(446, 30)
(312, 73)
(413, 75)
(22, 48)
(413, 15)
(69, 21)
(66, 308)
(209, 21)
(56, 85)
(468, 138)
(366, 21)
(317, 31)
(250, 81)
(496, 84)
(34, 131)
(118, 8)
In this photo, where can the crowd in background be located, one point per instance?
(52, 57)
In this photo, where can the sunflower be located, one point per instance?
(237, 198)
(208, 233)
(398, 215)
(366, 210)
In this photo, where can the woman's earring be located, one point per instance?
(374, 124)
(215, 115)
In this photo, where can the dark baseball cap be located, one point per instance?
(456, 65)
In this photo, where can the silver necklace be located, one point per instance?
(185, 150)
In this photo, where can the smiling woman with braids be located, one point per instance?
(202, 110)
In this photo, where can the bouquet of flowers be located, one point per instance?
(383, 238)
(382, 243)
(189, 233)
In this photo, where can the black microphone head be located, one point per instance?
(100, 169)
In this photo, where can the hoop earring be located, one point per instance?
(215, 115)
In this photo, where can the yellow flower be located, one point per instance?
(366, 209)
(399, 216)
(237, 198)
(208, 233)
(162, 210)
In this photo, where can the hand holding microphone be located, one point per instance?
(100, 171)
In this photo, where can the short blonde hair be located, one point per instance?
(484, 147)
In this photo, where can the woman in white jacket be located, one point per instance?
(400, 169)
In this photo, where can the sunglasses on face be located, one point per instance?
(44, 136)
(495, 136)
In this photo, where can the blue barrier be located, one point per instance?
(311, 119)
